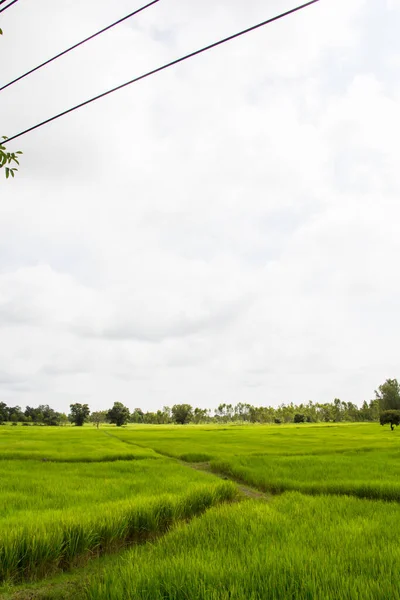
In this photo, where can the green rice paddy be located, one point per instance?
(163, 512)
(375, 475)
(66, 444)
(218, 442)
(54, 517)
(294, 547)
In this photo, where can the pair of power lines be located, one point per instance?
(140, 77)
(8, 5)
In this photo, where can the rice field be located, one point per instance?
(160, 511)
(355, 459)
(58, 508)
(294, 547)
(211, 442)
(66, 444)
(373, 475)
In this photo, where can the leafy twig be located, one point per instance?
(6, 158)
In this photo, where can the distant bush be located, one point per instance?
(299, 418)
(390, 416)
(14, 424)
(277, 421)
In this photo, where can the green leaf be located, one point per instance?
(7, 172)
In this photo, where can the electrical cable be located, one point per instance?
(8, 5)
(162, 68)
(77, 45)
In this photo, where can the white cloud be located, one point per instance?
(393, 4)
(223, 231)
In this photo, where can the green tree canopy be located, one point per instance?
(137, 416)
(98, 416)
(79, 413)
(390, 416)
(182, 413)
(118, 414)
(388, 395)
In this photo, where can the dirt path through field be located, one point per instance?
(244, 490)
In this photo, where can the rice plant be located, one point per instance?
(212, 442)
(71, 494)
(66, 444)
(373, 475)
(296, 547)
(52, 518)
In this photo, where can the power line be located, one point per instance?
(8, 5)
(162, 68)
(2, 1)
(78, 44)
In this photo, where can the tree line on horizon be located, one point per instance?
(384, 407)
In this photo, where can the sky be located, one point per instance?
(225, 231)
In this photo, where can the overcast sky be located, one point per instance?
(225, 231)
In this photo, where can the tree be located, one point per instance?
(118, 414)
(137, 416)
(50, 416)
(79, 413)
(43, 414)
(353, 412)
(374, 409)
(200, 415)
(33, 415)
(166, 411)
(390, 416)
(63, 419)
(338, 410)
(388, 395)
(182, 413)
(241, 412)
(286, 413)
(4, 412)
(98, 417)
(15, 414)
(150, 418)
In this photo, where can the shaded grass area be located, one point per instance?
(66, 584)
(297, 547)
(53, 518)
(69, 444)
(375, 475)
